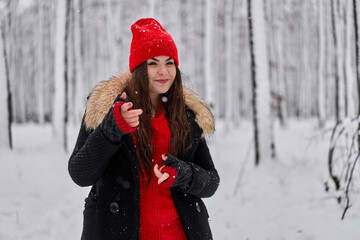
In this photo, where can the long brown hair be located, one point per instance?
(138, 91)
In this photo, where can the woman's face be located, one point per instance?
(161, 72)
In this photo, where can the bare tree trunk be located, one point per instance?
(229, 110)
(303, 63)
(79, 58)
(40, 71)
(198, 22)
(336, 64)
(72, 67)
(5, 109)
(263, 136)
(61, 72)
(184, 28)
(209, 80)
(254, 86)
(320, 69)
(357, 55)
(275, 46)
(66, 80)
(344, 57)
(6, 96)
(190, 35)
(349, 71)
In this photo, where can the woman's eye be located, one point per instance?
(152, 63)
(170, 63)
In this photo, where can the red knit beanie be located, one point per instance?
(149, 40)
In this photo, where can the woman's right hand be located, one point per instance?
(131, 116)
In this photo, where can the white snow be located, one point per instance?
(280, 199)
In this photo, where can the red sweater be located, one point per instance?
(159, 218)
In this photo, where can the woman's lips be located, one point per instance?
(162, 81)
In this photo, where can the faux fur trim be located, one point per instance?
(204, 118)
(102, 97)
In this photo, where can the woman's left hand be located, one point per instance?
(161, 176)
(175, 172)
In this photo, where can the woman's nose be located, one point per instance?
(162, 70)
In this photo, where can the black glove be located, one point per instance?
(109, 126)
(180, 172)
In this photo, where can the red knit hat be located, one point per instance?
(149, 40)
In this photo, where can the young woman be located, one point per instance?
(141, 147)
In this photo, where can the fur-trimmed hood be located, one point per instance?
(103, 95)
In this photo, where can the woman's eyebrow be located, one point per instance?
(157, 60)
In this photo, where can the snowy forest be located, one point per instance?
(282, 78)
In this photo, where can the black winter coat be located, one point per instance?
(112, 209)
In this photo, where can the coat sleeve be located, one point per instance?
(91, 156)
(205, 178)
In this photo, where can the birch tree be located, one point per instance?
(5, 89)
(60, 119)
(337, 64)
(5, 127)
(209, 79)
(260, 82)
(357, 62)
(320, 67)
(229, 103)
(79, 58)
(40, 66)
(350, 94)
(275, 47)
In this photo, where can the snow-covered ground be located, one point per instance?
(280, 199)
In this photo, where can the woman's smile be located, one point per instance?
(162, 81)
